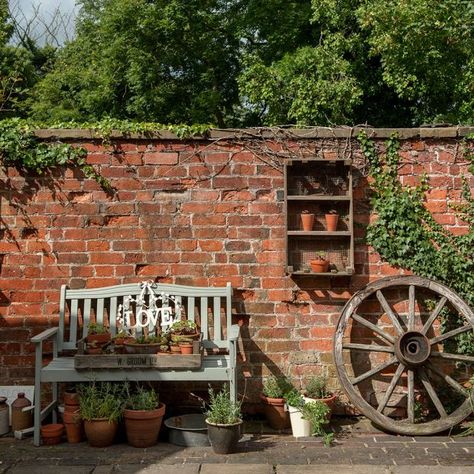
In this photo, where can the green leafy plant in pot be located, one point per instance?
(316, 390)
(273, 399)
(224, 421)
(184, 330)
(300, 426)
(101, 407)
(97, 337)
(143, 415)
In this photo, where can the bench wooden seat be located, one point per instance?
(209, 307)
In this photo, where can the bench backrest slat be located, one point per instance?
(191, 303)
(209, 307)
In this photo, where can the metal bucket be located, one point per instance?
(188, 430)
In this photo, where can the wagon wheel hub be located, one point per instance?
(412, 348)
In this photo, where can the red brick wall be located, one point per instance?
(191, 212)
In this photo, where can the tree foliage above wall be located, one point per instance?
(253, 62)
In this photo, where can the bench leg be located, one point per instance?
(55, 400)
(37, 408)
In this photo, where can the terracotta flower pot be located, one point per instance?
(319, 266)
(143, 426)
(330, 402)
(151, 348)
(52, 433)
(100, 432)
(307, 221)
(175, 349)
(71, 398)
(74, 427)
(186, 348)
(274, 409)
(98, 339)
(331, 222)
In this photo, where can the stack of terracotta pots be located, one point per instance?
(72, 418)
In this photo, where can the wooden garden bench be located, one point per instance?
(209, 307)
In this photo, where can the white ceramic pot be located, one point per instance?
(299, 426)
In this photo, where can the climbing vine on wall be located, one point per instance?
(406, 235)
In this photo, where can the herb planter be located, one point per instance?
(330, 402)
(98, 339)
(100, 432)
(299, 426)
(151, 348)
(224, 438)
(143, 426)
(274, 409)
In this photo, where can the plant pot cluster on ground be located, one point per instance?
(97, 408)
(307, 411)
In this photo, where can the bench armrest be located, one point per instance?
(46, 334)
(234, 332)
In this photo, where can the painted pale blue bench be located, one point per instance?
(209, 307)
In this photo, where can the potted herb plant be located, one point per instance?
(332, 218)
(224, 420)
(316, 413)
(184, 330)
(316, 390)
(143, 345)
(273, 398)
(101, 407)
(143, 415)
(320, 264)
(307, 220)
(300, 426)
(98, 336)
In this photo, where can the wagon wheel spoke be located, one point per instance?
(434, 315)
(374, 328)
(411, 308)
(449, 380)
(431, 392)
(368, 347)
(411, 396)
(390, 313)
(374, 371)
(391, 388)
(450, 334)
(448, 355)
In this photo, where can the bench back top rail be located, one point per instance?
(209, 307)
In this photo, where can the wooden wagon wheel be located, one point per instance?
(411, 341)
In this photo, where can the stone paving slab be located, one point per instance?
(254, 449)
(369, 469)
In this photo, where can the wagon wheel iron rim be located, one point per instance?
(411, 349)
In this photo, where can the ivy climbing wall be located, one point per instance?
(199, 212)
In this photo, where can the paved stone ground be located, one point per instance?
(358, 451)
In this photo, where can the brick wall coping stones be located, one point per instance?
(268, 133)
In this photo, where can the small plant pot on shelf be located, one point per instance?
(186, 348)
(52, 433)
(331, 222)
(224, 438)
(319, 265)
(307, 221)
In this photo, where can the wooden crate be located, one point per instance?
(162, 360)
